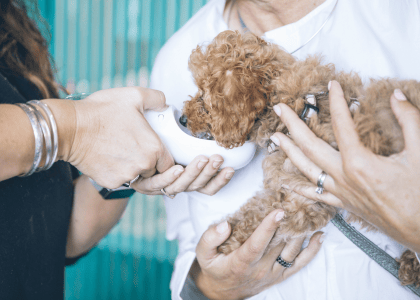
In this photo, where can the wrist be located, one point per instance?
(200, 281)
(207, 286)
(65, 116)
(405, 231)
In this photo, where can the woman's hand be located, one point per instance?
(247, 271)
(382, 190)
(107, 137)
(201, 175)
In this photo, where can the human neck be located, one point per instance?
(262, 16)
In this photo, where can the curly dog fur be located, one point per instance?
(240, 78)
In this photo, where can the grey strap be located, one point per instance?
(373, 251)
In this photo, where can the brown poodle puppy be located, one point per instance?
(240, 78)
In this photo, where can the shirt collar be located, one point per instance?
(292, 36)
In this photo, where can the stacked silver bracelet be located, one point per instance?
(45, 133)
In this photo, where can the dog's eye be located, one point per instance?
(204, 136)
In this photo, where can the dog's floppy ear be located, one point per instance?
(236, 100)
(198, 119)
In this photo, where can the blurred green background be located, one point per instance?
(98, 44)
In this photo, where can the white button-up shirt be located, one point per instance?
(376, 38)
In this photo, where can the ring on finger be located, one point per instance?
(166, 194)
(133, 180)
(128, 184)
(284, 263)
(320, 182)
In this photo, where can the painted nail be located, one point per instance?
(285, 186)
(178, 171)
(275, 140)
(271, 148)
(329, 85)
(311, 100)
(322, 238)
(222, 227)
(277, 109)
(217, 164)
(279, 216)
(229, 175)
(399, 95)
(202, 163)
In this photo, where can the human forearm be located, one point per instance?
(17, 142)
(92, 217)
(17, 145)
(105, 136)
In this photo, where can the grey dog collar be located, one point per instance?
(373, 251)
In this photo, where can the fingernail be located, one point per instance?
(285, 186)
(329, 85)
(275, 140)
(217, 164)
(322, 238)
(399, 95)
(279, 216)
(229, 175)
(277, 109)
(222, 227)
(311, 99)
(202, 163)
(178, 171)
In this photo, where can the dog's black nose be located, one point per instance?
(183, 120)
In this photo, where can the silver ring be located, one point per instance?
(320, 182)
(284, 263)
(133, 180)
(166, 194)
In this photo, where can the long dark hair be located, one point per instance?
(23, 49)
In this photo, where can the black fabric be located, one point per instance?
(34, 219)
(72, 260)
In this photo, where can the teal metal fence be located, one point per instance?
(98, 44)
(134, 261)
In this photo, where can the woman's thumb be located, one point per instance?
(210, 240)
(152, 99)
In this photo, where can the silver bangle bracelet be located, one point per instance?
(54, 131)
(47, 136)
(418, 256)
(30, 112)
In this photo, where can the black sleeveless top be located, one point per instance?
(34, 218)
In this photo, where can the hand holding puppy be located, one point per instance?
(248, 270)
(382, 190)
